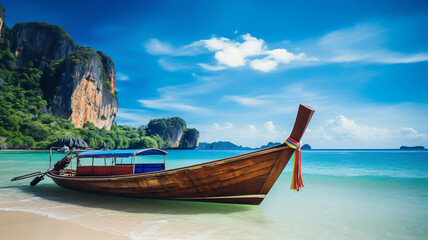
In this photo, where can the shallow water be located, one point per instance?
(347, 195)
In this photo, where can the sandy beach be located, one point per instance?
(23, 225)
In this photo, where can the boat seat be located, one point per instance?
(149, 167)
(104, 170)
(123, 169)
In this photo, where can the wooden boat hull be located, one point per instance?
(242, 179)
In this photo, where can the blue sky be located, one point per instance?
(237, 70)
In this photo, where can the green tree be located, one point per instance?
(142, 131)
(148, 142)
(13, 122)
(160, 142)
(36, 130)
(134, 143)
(14, 142)
(119, 142)
(110, 143)
(28, 141)
(91, 143)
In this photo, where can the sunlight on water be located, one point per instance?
(347, 195)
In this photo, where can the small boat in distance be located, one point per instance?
(63, 149)
(241, 179)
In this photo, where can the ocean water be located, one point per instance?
(348, 194)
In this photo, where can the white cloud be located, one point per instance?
(170, 104)
(412, 133)
(270, 127)
(264, 65)
(252, 46)
(211, 68)
(246, 101)
(362, 43)
(179, 97)
(227, 125)
(121, 76)
(133, 117)
(252, 52)
(217, 44)
(282, 55)
(252, 128)
(156, 47)
(237, 54)
(346, 129)
(341, 129)
(276, 56)
(231, 57)
(280, 101)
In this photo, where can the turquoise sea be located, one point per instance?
(348, 194)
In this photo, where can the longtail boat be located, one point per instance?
(242, 179)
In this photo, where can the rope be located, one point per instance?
(296, 182)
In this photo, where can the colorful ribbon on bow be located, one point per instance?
(296, 182)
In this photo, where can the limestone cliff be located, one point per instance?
(174, 131)
(85, 92)
(78, 82)
(41, 42)
(176, 137)
(170, 129)
(190, 138)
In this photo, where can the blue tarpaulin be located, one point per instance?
(121, 153)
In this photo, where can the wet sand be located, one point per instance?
(23, 225)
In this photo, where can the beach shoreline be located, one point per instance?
(26, 225)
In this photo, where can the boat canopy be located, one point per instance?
(121, 153)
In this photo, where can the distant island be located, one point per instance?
(412, 148)
(221, 145)
(270, 144)
(306, 147)
(226, 145)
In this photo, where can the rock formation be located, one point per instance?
(103, 146)
(43, 41)
(78, 82)
(190, 138)
(84, 93)
(72, 143)
(173, 131)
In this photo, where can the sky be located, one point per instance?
(238, 70)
